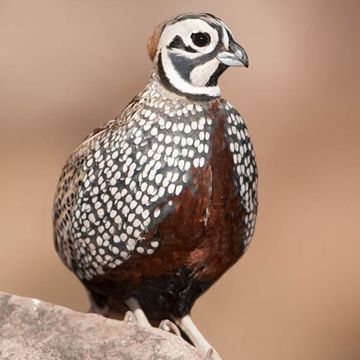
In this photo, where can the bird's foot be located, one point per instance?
(170, 327)
(139, 315)
(129, 317)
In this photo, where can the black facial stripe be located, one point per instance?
(215, 76)
(229, 35)
(178, 43)
(161, 70)
(190, 49)
(166, 82)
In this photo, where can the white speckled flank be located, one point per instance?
(244, 166)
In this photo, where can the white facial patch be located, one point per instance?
(225, 37)
(184, 29)
(193, 83)
(202, 73)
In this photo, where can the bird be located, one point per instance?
(155, 205)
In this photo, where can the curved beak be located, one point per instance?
(235, 56)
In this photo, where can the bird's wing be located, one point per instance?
(71, 180)
(67, 190)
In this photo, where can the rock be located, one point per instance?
(32, 329)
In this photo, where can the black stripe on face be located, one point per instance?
(166, 82)
(229, 35)
(178, 43)
(215, 76)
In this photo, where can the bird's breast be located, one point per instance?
(203, 228)
(167, 190)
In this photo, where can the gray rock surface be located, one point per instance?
(32, 329)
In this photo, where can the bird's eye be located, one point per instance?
(200, 39)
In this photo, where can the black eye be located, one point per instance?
(200, 39)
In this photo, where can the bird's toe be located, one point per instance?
(211, 354)
(129, 317)
(170, 327)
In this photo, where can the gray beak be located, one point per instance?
(235, 56)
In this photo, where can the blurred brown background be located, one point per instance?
(67, 66)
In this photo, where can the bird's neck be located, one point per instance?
(169, 92)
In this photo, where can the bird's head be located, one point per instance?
(191, 51)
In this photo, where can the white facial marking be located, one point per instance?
(204, 71)
(184, 86)
(201, 74)
(184, 29)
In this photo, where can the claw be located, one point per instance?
(129, 317)
(211, 354)
(170, 327)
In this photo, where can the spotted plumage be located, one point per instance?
(159, 202)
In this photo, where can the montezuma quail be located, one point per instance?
(155, 205)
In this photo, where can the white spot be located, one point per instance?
(181, 164)
(129, 230)
(178, 189)
(187, 129)
(115, 250)
(140, 250)
(157, 212)
(124, 255)
(125, 210)
(161, 191)
(198, 108)
(145, 214)
(158, 178)
(171, 188)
